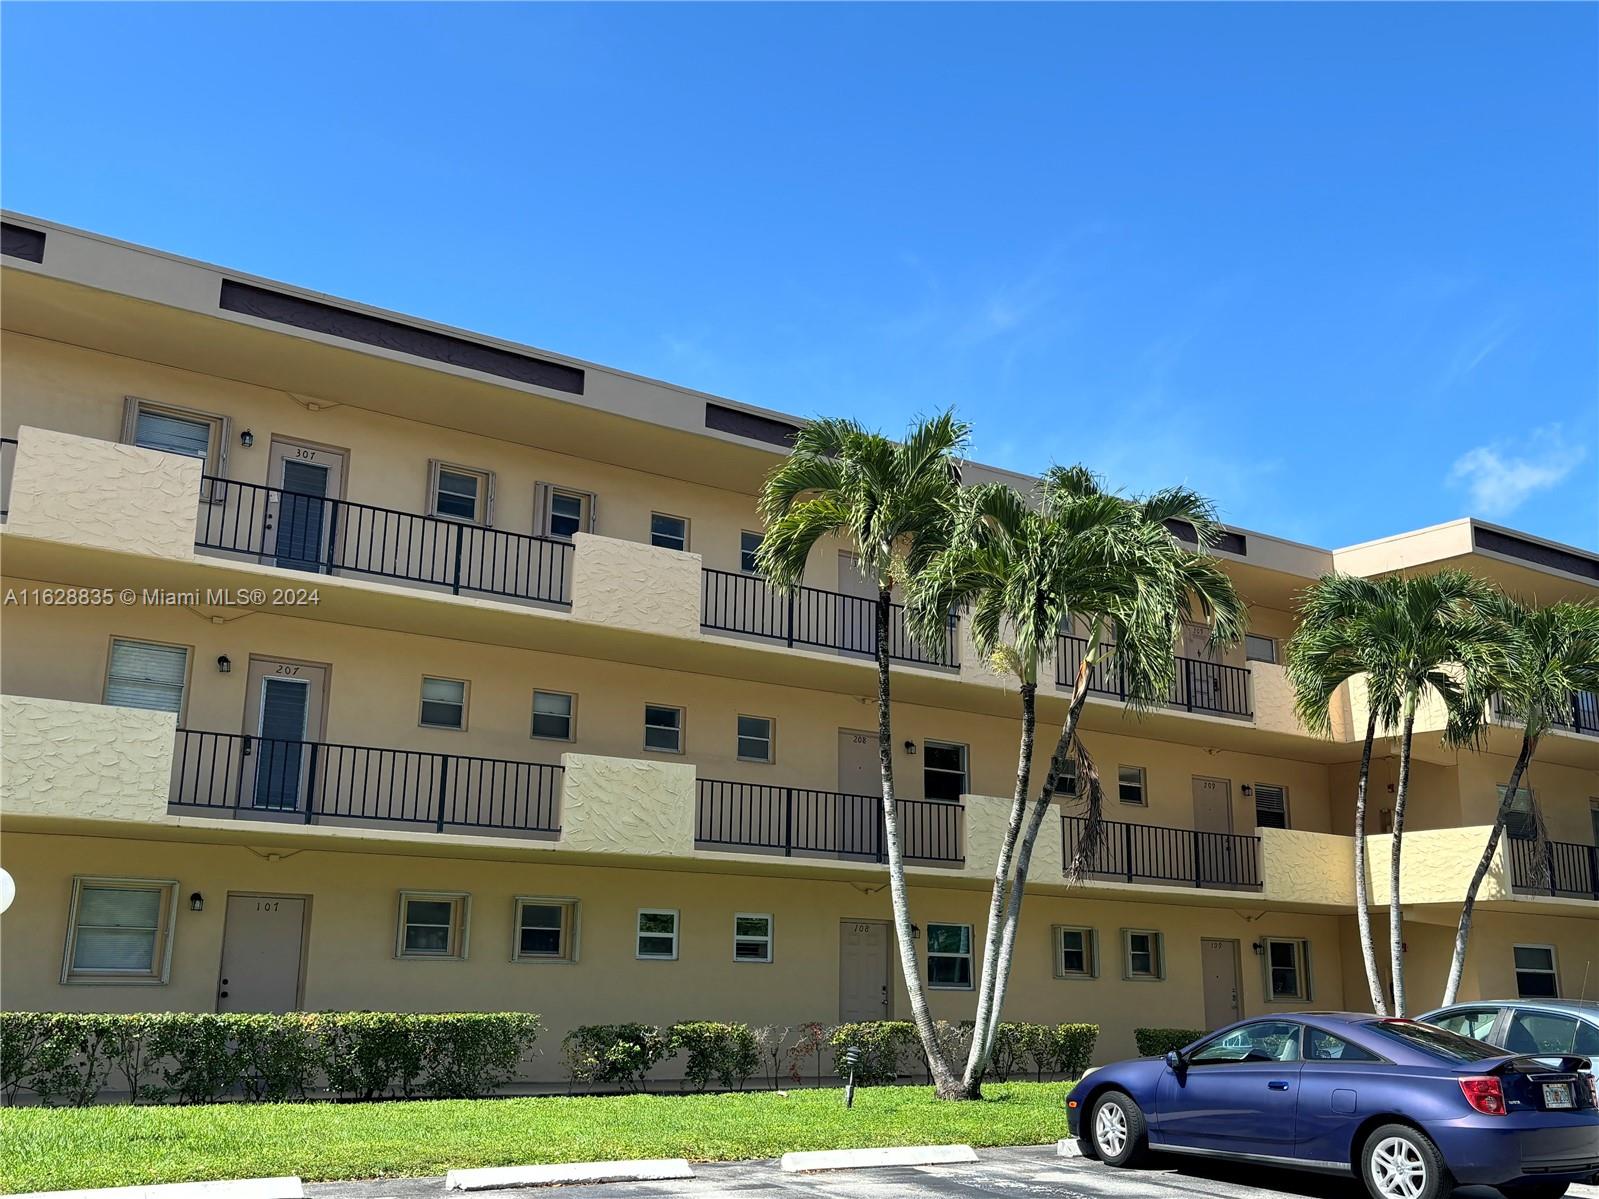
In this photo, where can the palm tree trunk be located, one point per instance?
(945, 1080)
(1457, 964)
(1396, 918)
(987, 1010)
(1368, 949)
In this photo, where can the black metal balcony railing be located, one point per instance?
(741, 603)
(307, 532)
(1152, 853)
(1580, 715)
(314, 780)
(797, 820)
(1200, 686)
(8, 461)
(1566, 868)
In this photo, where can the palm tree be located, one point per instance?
(1550, 654)
(892, 502)
(1409, 637)
(1023, 572)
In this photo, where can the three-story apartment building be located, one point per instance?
(350, 661)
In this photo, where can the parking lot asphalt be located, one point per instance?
(1027, 1173)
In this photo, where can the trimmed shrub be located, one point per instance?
(367, 1055)
(194, 1052)
(1157, 1042)
(276, 1058)
(614, 1053)
(1053, 1048)
(881, 1043)
(1074, 1047)
(729, 1053)
(468, 1054)
(1013, 1043)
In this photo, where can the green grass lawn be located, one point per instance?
(59, 1148)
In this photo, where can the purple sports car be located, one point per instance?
(1413, 1109)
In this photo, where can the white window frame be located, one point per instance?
(639, 934)
(160, 971)
(682, 728)
(188, 670)
(216, 458)
(422, 702)
(765, 942)
(570, 923)
(1251, 656)
(759, 537)
(1255, 796)
(460, 926)
(1142, 783)
(969, 956)
(571, 715)
(482, 509)
(1068, 778)
(1553, 971)
(1090, 951)
(965, 771)
(684, 548)
(544, 503)
(1301, 949)
(771, 739)
(1157, 947)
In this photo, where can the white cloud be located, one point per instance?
(1500, 477)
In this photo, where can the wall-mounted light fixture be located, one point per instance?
(197, 902)
(224, 664)
(910, 748)
(1260, 950)
(916, 932)
(1247, 789)
(246, 438)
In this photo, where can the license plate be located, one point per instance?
(1556, 1094)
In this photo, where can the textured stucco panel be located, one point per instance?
(632, 586)
(97, 493)
(1273, 698)
(88, 761)
(1437, 865)
(623, 805)
(1301, 867)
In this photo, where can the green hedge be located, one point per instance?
(69, 1057)
(1157, 1042)
(1049, 1048)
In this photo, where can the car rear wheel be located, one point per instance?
(1398, 1162)
(1117, 1130)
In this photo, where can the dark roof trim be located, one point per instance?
(749, 424)
(1232, 543)
(18, 241)
(1511, 546)
(392, 335)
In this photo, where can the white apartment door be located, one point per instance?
(1218, 963)
(284, 705)
(1213, 805)
(300, 521)
(263, 941)
(864, 991)
(859, 771)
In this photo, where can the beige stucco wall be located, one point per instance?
(1437, 865)
(1272, 698)
(632, 585)
(96, 493)
(84, 760)
(627, 805)
(1310, 868)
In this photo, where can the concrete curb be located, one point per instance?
(496, 1178)
(235, 1188)
(858, 1159)
(1068, 1148)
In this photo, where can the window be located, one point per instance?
(119, 930)
(1521, 822)
(1287, 969)
(754, 739)
(752, 938)
(1141, 954)
(141, 674)
(1068, 779)
(1535, 972)
(460, 493)
(1262, 1041)
(1324, 1047)
(432, 924)
(663, 729)
(657, 933)
(562, 512)
(546, 930)
(176, 431)
(949, 956)
(748, 544)
(1451, 1047)
(552, 715)
(668, 532)
(1542, 1034)
(1076, 953)
(1477, 1023)
(1271, 806)
(1130, 784)
(443, 703)
(1259, 649)
(943, 770)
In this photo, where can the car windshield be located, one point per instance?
(1439, 1042)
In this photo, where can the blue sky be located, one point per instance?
(1336, 266)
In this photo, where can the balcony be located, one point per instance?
(1148, 853)
(812, 617)
(314, 782)
(1566, 869)
(1581, 714)
(796, 821)
(1200, 686)
(312, 533)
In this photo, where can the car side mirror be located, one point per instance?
(1174, 1061)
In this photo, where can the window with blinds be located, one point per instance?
(173, 434)
(119, 929)
(145, 675)
(1271, 806)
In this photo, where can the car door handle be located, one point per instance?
(1277, 1084)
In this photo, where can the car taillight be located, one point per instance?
(1484, 1094)
(1593, 1089)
